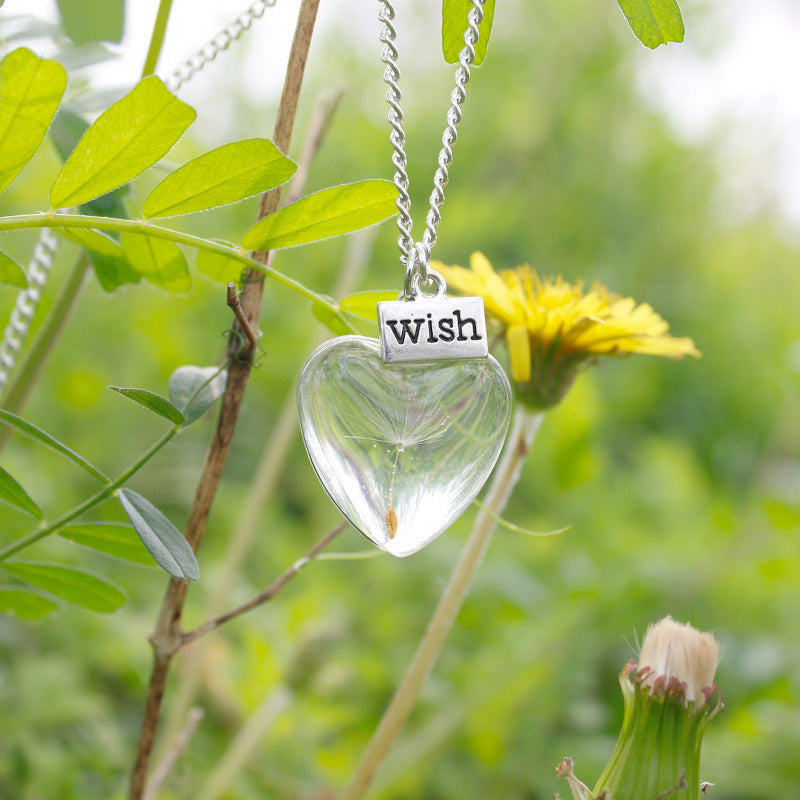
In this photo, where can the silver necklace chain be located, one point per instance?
(416, 255)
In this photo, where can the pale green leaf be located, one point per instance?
(93, 240)
(219, 267)
(654, 22)
(12, 273)
(157, 260)
(30, 91)
(454, 26)
(24, 604)
(76, 586)
(163, 540)
(87, 21)
(126, 139)
(365, 304)
(329, 318)
(111, 538)
(331, 212)
(154, 402)
(46, 439)
(13, 493)
(225, 175)
(195, 389)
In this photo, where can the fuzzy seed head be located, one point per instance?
(673, 651)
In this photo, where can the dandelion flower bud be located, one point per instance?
(667, 699)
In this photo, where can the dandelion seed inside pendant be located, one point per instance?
(404, 431)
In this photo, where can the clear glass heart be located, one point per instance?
(401, 449)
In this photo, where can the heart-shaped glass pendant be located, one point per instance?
(401, 449)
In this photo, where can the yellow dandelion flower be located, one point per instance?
(552, 327)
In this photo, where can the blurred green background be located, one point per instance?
(681, 479)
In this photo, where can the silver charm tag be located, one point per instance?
(432, 329)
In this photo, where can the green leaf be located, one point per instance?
(112, 538)
(365, 304)
(154, 402)
(654, 22)
(194, 389)
(454, 26)
(225, 175)
(36, 433)
(12, 273)
(162, 539)
(25, 604)
(331, 212)
(30, 91)
(73, 585)
(126, 139)
(87, 21)
(112, 273)
(330, 319)
(219, 267)
(13, 493)
(92, 240)
(157, 260)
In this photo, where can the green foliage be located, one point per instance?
(331, 212)
(96, 241)
(29, 429)
(76, 586)
(654, 22)
(195, 389)
(124, 141)
(157, 260)
(25, 604)
(13, 493)
(219, 267)
(111, 538)
(365, 304)
(162, 539)
(454, 24)
(30, 91)
(87, 21)
(225, 175)
(154, 402)
(12, 273)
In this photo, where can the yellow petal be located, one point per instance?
(519, 351)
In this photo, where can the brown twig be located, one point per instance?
(252, 337)
(178, 745)
(269, 592)
(166, 638)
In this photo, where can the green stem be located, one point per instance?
(25, 377)
(51, 220)
(157, 38)
(103, 494)
(506, 474)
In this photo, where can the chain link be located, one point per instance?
(221, 42)
(415, 256)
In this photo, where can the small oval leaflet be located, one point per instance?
(153, 402)
(162, 539)
(12, 273)
(13, 493)
(112, 538)
(25, 604)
